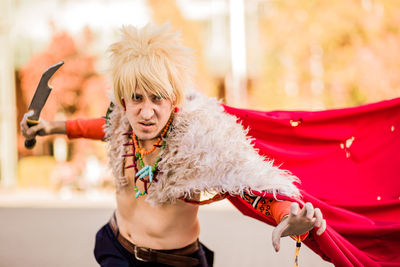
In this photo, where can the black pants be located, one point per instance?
(110, 253)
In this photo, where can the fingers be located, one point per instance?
(294, 209)
(29, 132)
(309, 210)
(305, 220)
(33, 131)
(318, 217)
(322, 228)
(28, 114)
(23, 124)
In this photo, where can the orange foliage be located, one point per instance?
(76, 85)
(78, 90)
(348, 48)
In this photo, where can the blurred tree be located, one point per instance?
(323, 54)
(78, 90)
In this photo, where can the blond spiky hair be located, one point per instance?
(153, 59)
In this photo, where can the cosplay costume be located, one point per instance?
(347, 159)
(206, 151)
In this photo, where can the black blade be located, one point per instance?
(42, 91)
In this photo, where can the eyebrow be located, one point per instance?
(151, 96)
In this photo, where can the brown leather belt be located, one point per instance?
(174, 257)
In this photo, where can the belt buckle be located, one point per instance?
(136, 253)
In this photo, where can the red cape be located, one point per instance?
(348, 161)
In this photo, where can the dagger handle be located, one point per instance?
(29, 144)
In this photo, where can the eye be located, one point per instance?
(137, 97)
(157, 98)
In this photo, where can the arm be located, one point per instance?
(80, 128)
(42, 128)
(289, 221)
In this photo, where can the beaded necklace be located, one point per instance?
(138, 155)
(146, 171)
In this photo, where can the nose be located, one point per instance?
(147, 110)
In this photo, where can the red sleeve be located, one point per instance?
(86, 128)
(278, 209)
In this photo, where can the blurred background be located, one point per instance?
(257, 54)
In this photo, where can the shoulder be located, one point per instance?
(205, 115)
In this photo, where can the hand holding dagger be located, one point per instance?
(31, 119)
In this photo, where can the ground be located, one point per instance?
(62, 234)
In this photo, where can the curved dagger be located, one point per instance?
(39, 99)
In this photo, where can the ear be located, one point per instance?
(173, 100)
(123, 103)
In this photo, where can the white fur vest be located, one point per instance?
(207, 150)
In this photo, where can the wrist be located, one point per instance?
(57, 127)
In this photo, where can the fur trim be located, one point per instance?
(114, 134)
(207, 150)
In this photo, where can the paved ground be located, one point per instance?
(64, 236)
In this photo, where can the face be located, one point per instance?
(148, 114)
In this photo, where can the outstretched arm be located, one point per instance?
(79, 128)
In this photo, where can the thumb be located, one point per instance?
(276, 239)
(28, 114)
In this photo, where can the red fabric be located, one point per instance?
(86, 128)
(357, 186)
(355, 183)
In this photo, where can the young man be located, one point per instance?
(164, 153)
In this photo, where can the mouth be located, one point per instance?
(146, 125)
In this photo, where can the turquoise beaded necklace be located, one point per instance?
(146, 171)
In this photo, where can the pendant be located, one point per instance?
(146, 171)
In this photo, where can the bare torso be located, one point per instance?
(167, 226)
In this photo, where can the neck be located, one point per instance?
(147, 144)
